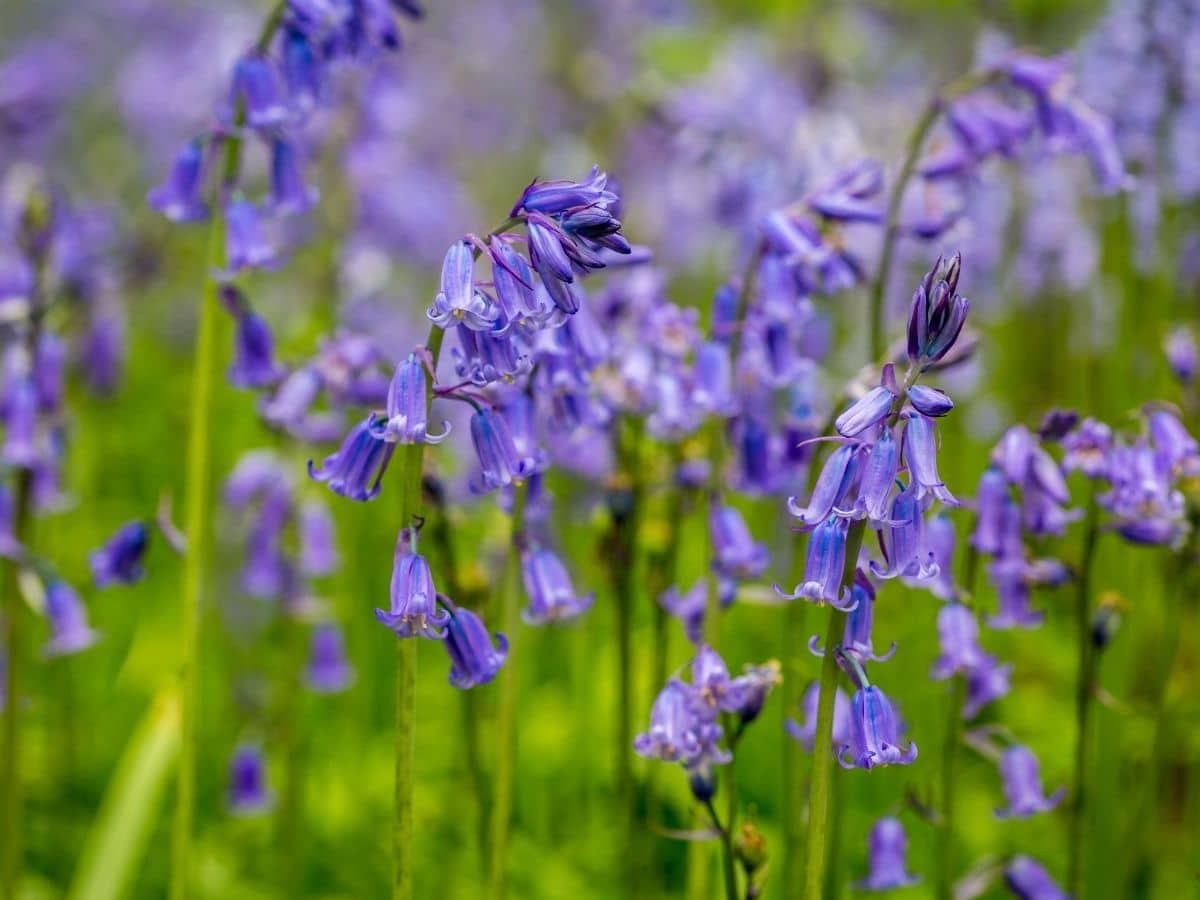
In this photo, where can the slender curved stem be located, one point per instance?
(891, 225)
(822, 773)
(506, 742)
(1084, 692)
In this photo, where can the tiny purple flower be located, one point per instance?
(457, 302)
(290, 195)
(473, 658)
(1028, 880)
(318, 547)
(120, 560)
(181, 197)
(823, 567)
(328, 672)
(738, 555)
(958, 636)
(837, 479)
(414, 608)
(688, 607)
(248, 793)
(246, 244)
(929, 401)
(986, 683)
(679, 730)
(874, 734)
(406, 406)
(806, 733)
(920, 454)
(258, 93)
(356, 469)
(887, 849)
(1023, 785)
(552, 597)
(69, 629)
(500, 461)
(866, 412)
(254, 363)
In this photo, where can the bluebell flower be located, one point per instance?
(991, 502)
(487, 357)
(1014, 595)
(500, 462)
(937, 314)
(1182, 354)
(929, 401)
(958, 637)
(837, 479)
(258, 92)
(986, 683)
(69, 629)
(181, 197)
(712, 379)
(711, 681)
(856, 639)
(680, 729)
(318, 547)
(557, 197)
(887, 850)
(49, 359)
(939, 544)
(1086, 449)
(920, 454)
(878, 479)
(414, 609)
(823, 567)
(356, 469)
(457, 302)
(1028, 880)
(289, 406)
(328, 671)
(303, 70)
(515, 287)
(120, 560)
(19, 412)
(248, 793)
(736, 554)
(552, 597)
(688, 607)
(254, 363)
(473, 658)
(852, 195)
(407, 421)
(267, 571)
(806, 733)
(1023, 785)
(902, 541)
(866, 412)
(246, 244)
(290, 194)
(874, 733)
(753, 685)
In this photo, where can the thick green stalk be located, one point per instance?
(412, 464)
(199, 466)
(14, 648)
(1084, 693)
(728, 863)
(822, 771)
(506, 738)
(954, 725)
(196, 496)
(796, 616)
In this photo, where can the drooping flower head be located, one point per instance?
(887, 849)
(328, 670)
(120, 560)
(414, 608)
(69, 629)
(474, 660)
(248, 793)
(874, 733)
(1023, 785)
(551, 595)
(356, 470)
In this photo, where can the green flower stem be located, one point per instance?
(13, 612)
(506, 737)
(822, 769)
(954, 728)
(891, 225)
(1084, 693)
(626, 498)
(195, 561)
(795, 620)
(199, 465)
(412, 463)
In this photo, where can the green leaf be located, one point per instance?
(118, 838)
